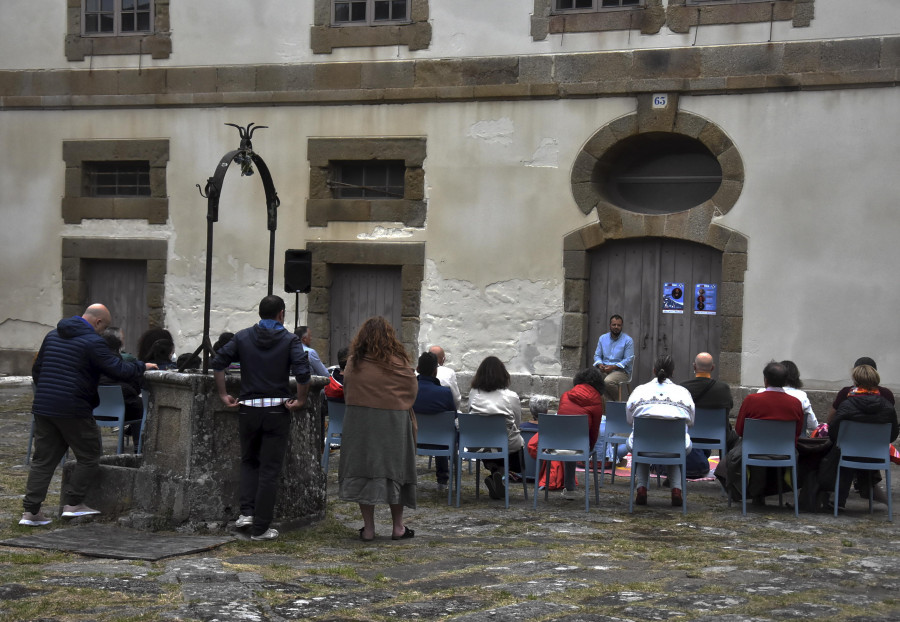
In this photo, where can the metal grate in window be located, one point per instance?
(377, 179)
(370, 11)
(117, 179)
(115, 17)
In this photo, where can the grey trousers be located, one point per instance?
(53, 436)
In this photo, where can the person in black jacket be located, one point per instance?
(66, 374)
(866, 404)
(269, 354)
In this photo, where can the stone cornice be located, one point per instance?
(758, 67)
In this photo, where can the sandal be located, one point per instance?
(363, 538)
(407, 533)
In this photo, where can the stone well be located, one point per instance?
(189, 473)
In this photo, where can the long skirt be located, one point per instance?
(378, 457)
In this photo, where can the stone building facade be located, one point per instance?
(507, 124)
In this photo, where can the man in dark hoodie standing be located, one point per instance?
(66, 373)
(269, 354)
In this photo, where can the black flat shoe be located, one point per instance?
(363, 538)
(407, 533)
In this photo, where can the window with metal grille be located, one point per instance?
(117, 179)
(370, 12)
(377, 179)
(725, 1)
(593, 5)
(117, 17)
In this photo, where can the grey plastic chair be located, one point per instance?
(659, 441)
(616, 431)
(110, 412)
(487, 432)
(710, 429)
(438, 430)
(568, 433)
(769, 443)
(865, 446)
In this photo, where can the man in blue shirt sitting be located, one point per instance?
(614, 357)
(431, 399)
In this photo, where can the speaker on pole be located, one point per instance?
(297, 271)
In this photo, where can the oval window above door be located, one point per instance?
(658, 173)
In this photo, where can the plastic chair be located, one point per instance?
(616, 431)
(659, 441)
(865, 446)
(768, 443)
(336, 412)
(627, 383)
(568, 433)
(438, 429)
(709, 429)
(488, 432)
(110, 412)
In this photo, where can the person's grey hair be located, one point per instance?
(539, 404)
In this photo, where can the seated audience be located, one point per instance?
(584, 398)
(708, 393)
(490, 395)
(773, 404)
(433, 398)
(864, 403)
(188, 360)
(334, 390)
(148, 338)
(131, 390)
(844, 392)
(660, 399)
(793, 387)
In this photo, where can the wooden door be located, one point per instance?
(121, 285)
(358, 293)
(627, 278)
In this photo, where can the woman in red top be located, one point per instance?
(585, 398)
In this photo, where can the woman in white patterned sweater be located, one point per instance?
(660, 399)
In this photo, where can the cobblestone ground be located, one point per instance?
(478, 562)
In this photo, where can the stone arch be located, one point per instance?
(695, 225)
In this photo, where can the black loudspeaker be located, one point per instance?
(297, 271)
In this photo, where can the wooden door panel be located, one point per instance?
(358, 293)
(121, 285)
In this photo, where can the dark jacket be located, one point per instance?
(432, 397)
(68, 367)
(268, 358)
(867, 408)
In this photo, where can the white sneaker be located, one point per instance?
(569, 495)
(243, 521)
(71, 511)
(34, 520)
(269, 534)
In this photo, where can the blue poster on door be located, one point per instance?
(705, 299)
(673, 298)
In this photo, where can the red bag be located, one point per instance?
(895, 455)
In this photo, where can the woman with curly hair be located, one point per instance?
(378, 442)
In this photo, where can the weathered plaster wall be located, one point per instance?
(822, 221)
(278, 31)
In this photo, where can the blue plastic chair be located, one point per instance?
(616, 431)
(710, 429)
(488, 432)
(438, 429)
(659, 441)
(768, 443)
(567, 433)
(336, 412)
(529, 467)
(110, 412)
(865, 446)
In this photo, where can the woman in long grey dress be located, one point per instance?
(378, 442)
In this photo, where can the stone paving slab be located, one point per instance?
(99, 540)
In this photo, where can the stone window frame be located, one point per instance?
(322, 207)
(75, 250)
(681, 15)
(325, 36)
(694, 225)
(649, 18)
(76, 206)
(409, 256)
(78, 45)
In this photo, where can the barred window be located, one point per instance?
(376, 179)
(593, 5)
(370, 12)
(117, 179)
